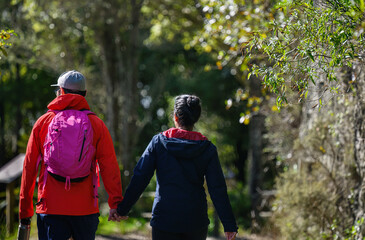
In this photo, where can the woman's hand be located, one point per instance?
(230, 235)
(115, 217)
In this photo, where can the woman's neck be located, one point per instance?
(185, 128)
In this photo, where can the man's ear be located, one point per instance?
(62, 91)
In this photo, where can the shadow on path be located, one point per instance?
(123, 237)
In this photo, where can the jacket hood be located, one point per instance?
(69, 101)
(184, 144)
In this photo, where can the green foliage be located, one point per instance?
(240, 202)
(315, 193)
(60, 36)
(228, 25)
(174, 58)
(220, 30)
(352, 233)
(106, 227)
(4, 235)
(308, 40)
(31, 103)
(5, 36)
(172, 22)
(305, 205)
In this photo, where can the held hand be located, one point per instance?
(230, 235)
(25, 221)
(114, 216)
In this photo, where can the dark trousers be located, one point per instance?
(61, 227)
(162, 235)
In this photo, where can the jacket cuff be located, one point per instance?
(121, 210)
(231, 228)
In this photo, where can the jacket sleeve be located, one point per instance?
(218, 193)
(143, 172)
(109, 168)
(29, 173)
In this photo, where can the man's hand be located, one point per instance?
(114, 216)
(25, 221)
(230, 235)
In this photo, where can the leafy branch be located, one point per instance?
(308, 41)
(5, 36)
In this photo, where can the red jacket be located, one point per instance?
(79, 200)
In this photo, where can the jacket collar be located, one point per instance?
(184, 134)
(69, 101)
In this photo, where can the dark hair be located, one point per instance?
(187, 109)
(82, 93)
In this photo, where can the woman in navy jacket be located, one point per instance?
(181, 158)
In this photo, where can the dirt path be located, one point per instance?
(141, 237)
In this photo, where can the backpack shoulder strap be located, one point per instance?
(88, 112)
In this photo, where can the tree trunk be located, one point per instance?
(255, 158)
(18, 113)
(257, 125)
(129, 101)
(120, 71)
(111, 78)
(2, 124)
(359, 116)
(240, 162)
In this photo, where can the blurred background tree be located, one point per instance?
(262, 69)
(132, 75)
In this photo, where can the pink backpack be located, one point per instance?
(68, 148)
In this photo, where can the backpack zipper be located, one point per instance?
(83, 143)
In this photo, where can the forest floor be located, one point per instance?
(136, 236)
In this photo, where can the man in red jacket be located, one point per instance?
(64, 213)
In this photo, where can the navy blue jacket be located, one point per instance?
(181, 159)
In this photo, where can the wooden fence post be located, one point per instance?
(10, 201)
(8, 175)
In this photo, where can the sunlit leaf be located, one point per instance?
(246, 121)
(219, 65)
(322, 149)
(274, 108)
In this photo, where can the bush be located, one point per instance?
(305, 205)
(315, 194)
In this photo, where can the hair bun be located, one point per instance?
(187, 109)
(192, 101)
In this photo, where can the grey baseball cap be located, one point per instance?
(72, 80)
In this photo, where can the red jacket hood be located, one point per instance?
(69, 101)
(184, 134)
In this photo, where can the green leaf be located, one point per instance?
(312, 79)
(310, 55)
(249, 75)
(4, 52)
